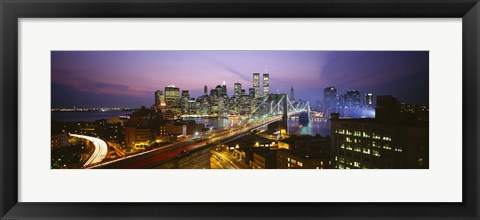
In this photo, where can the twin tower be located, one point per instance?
(256, 84)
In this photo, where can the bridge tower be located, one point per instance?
(284, 124)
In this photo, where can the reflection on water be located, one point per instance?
(313, 127)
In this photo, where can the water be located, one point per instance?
(313, 127)
(318, 126)
(87, 116)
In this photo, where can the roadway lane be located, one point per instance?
(100, 152)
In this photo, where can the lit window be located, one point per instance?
(342, 146)
(356, 164)
(366, 151)
(376, 153)
(348, 132)
(358, 149)
(288, 159)
(357, 133)
(348, 139)
(300, 164)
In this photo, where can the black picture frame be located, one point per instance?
(12, 10)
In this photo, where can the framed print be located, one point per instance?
(123, 109)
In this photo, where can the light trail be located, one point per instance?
(100, 152)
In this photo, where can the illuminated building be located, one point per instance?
(287, 159)
(368, 100)
(352, 98)
(237, 88)
(224, 89)
(251, 93)
(172, 96)
(256, 84)
(184, 101)
(159, 98)
(305, 152)
(330, 100)
(266, 84)
(242, 92)
(139, 132)
(138, 136)
(392, 140)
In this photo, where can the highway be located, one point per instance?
(100, 151)
(151, 158)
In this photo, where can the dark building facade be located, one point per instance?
(392, 140)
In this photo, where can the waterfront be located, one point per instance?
(88, 116)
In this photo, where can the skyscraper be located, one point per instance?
(172, 96)
(330, 100)
(368, 100)
(266, 84)
(256, 84)
(205, 90)
(159, 97)
(292, 95)
(330, 95)
(184, 101)
(251, 93)
(237, 88)
(224, 89)
(352, 98)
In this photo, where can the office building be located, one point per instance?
(392, 140)
(352, 98)
(172, 96)
(237, 89)
(159, 98)
(368, 100)
(266, 84)
(256, 84)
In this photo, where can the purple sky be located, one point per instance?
(130, 78)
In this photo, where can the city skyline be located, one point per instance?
(129, 78)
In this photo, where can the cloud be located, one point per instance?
(232, 70)
(81, 84)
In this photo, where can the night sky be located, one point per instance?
(129, 78)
